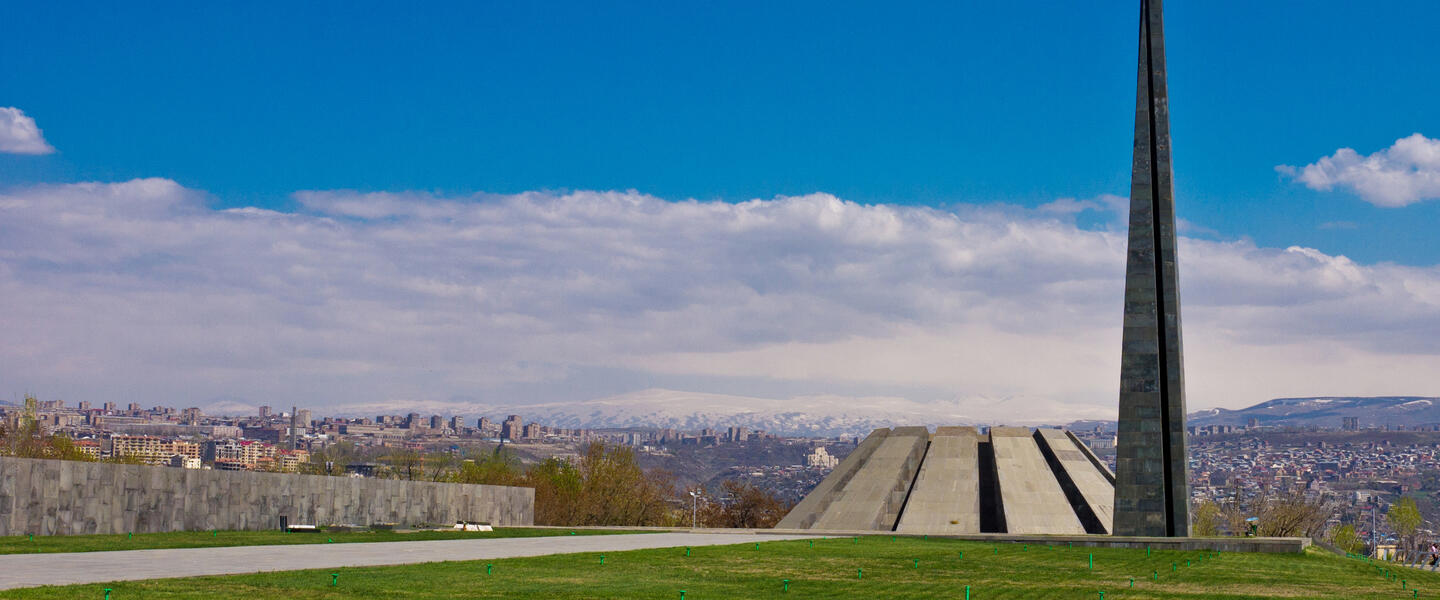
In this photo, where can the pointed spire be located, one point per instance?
(1152, 491)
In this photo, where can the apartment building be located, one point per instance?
(152, 449)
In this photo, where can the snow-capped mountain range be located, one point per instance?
(690, 411)
(1328, 411)
(833, 416)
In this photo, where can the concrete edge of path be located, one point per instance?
(72, 568)
(1268, 545)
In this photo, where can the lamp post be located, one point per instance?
(695, 510)
(1374, 537)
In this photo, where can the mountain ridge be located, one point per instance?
(1327, 411)
(659, 408)
(816, 416)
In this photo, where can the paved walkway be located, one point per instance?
(30, 570)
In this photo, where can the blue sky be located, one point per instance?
(914, 104)
(337, 146)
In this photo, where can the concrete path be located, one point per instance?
(30, 570)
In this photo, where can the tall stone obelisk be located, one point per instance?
(1152, 490)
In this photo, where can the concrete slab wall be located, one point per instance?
(873, 497)
(54, 497)
(1031, 497)
(1090, 493)
(958, 482)
(946, 495)
(804, 515)
(1094, 460)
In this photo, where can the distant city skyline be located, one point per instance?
(512, 206)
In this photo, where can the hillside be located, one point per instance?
(1328, 411)
(877, 567)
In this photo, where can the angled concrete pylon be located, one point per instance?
(1152, 491)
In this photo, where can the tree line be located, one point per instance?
(604, 485)
(27, 439)
(1292, 513)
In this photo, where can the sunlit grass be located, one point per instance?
(870, 567)
(208, 539)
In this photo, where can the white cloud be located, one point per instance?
(19, 134)
(136, 291)
(1403, 174)
(1102, 203)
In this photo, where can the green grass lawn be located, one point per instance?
(205, 539)
(874, 568)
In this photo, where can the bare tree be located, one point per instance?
(438, 466)
(743, 505)
(406, 464)
(1292, 514)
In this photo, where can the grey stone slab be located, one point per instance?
(946, 495)
(46, 497)
(1086, 475)
(808, 510)
(873, 497)
(1030, 495)
(30, 570)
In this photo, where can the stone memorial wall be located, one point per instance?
(55, 497)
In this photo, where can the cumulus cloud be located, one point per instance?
(1403, 174)
(137, 291)
(19, 134)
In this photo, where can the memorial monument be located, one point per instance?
(961, 480)
(1010, 480)
(1152, 491)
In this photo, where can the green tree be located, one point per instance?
(499, 467)
(28, 439)
(616, 491)
(125, 460)
(333, 459)
(604, 486)
(559, 492)
(1207, 519)
(1404, 519)
(61, 447)
(1345, 538)
(24, 439)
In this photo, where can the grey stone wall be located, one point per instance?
(54, 497)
